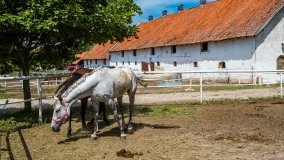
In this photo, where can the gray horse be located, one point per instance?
(102, 85)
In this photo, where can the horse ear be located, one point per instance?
(56, 98)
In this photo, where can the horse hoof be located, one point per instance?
(69, 134)
(123, 136)
(130, 130)
(94, 137)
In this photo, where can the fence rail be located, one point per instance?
(189, 78)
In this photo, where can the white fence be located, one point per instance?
(193, 78)
(9, 82)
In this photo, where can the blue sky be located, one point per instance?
(155, 7)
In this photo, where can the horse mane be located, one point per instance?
(72, 83)
(66, 84)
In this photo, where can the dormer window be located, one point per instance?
(204, 47)
(134, 53)
(122, 53)
(174, 49)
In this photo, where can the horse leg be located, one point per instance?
(84, 104)
(96, 117)
(103, 109)
(116, 118)
(121, 109)
(131, 106)
(69, 125)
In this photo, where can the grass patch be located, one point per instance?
(17, 120)
(165, 110)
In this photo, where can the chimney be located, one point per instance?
(164, 12)
(150, 18)
(180, 7)
(202, 2)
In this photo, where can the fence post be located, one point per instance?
(39, 91)
(190, 82)
(281, 85)
(201, 87)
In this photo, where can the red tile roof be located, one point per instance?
(80, 55)
(76, 62)
(215, 21)
(99, 52)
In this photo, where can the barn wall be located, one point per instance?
(235, 53)
(92, 63)
(268, 45)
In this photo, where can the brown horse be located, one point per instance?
(73, 77)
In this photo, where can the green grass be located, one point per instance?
(165, 110)
(13, 121)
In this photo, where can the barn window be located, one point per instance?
(134, 53)
(135, 62)
(128, 62)
(122, 53)
(96, 61)
(280, 62)
(174, 49)
(195, 64)
(222, 65)
(175, 63)
(158, 63)
(152, 51)
(122, 62)
(204, 47)
(104, 61)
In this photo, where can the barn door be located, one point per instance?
(280, 63)
(144, 66)
(152, 66)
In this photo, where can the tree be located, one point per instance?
(47, 32)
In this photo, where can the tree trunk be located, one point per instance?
(26, 84)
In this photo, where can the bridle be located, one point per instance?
(61, 119)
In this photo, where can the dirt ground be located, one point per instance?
(240, 131)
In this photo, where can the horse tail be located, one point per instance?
(66, 84)
(141, 82)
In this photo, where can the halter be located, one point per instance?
(59, 120)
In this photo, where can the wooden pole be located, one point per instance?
(39, 91)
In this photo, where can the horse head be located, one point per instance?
(60, 113)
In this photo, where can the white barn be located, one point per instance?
(221, 35)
